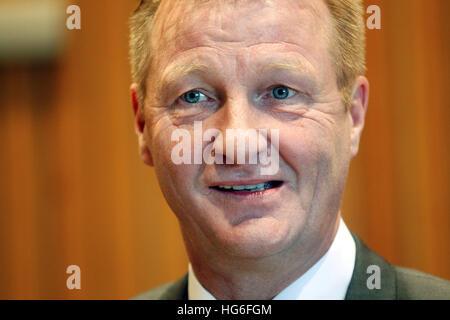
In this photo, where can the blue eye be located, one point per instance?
(282, 92)
(194, 96)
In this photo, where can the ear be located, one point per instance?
(358, 109)
(140, 127)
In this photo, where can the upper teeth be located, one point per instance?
(251, 187)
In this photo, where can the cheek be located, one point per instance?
(317, 139)
(316, 156)
(176, 181)
(305, 149)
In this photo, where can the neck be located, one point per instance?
(228, 278)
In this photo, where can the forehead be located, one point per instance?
(229, 25)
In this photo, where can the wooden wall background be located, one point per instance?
(74, 191)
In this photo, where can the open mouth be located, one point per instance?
(250, 187)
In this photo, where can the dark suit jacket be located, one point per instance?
(397, 283)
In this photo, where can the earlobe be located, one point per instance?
(140, 127)
(144, 151)
(358, 109)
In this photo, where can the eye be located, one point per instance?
(282, 92)
(194, 96)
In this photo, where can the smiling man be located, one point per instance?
(293, 69)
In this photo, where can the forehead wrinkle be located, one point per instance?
(172, 30)
(173, 26)
(177, 38)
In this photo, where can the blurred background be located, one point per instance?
(73, 189)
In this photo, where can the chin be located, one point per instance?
(255, 238)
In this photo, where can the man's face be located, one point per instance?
(259, 65)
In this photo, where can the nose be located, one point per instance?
(242, 140)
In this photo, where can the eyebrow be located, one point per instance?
(174, 74)
(295, 65)
(180, 71)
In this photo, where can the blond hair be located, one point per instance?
(347, 46)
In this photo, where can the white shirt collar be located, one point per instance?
(327, 279)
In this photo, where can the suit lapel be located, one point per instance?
(358, 289)
(177, 290)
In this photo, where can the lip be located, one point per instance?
(248, 194)
(241, 206)
(245, 194)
